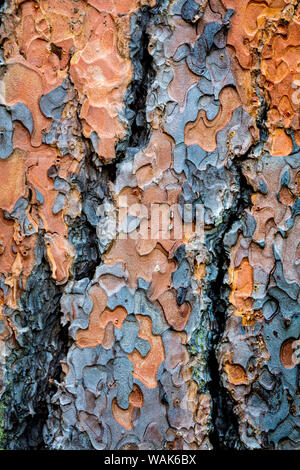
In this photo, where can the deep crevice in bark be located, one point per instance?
(34, 363)
(82, 233)
(225, 429)
(225, 425)
(138, 132)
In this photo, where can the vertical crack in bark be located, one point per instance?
(143, 76)
(224, 433)
(33, 363)
(225, 425)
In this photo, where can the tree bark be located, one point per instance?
(149, 202)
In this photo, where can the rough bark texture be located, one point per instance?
(118, 342)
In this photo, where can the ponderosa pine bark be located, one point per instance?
(116, 333)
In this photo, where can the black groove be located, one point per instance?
(225, 426)
(33, 364)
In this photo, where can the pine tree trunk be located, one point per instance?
(149, 251)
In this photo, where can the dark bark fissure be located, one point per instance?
(134, 105)
(143, 77)
(225, 429)
(92, 183)
(34, 365)
(95, 176)
(2, 6)
(225, 425)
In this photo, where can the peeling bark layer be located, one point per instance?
(184, 339)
